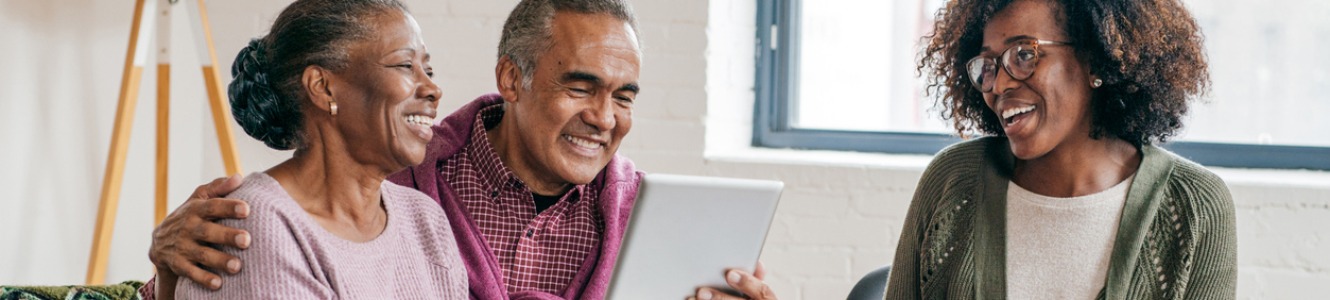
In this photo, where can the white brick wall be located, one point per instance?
(840, 220)
(841, 212)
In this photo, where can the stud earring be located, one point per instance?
(1096, 83)
(332, 105)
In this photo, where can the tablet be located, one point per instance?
(685, 232)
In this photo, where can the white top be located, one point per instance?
(1059, 248)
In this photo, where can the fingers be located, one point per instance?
(209, 257)
(205, 201)
(746, 284)
(182, 255)
(217, 188)
(749, 285)
(217, 234)
(189, 225)
(182, 267)
(178, 242)
(760, 271)
(710, 294)
(216, 208)
(714, 294)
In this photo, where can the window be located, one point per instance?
(840, 75)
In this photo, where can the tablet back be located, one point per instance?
(687, 230)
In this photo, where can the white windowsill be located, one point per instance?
(849, 159)
(1301, 179)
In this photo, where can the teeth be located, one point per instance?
(1011, 112)
(419, 120)
(581, 142)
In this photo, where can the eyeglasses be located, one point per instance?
(1019, 61)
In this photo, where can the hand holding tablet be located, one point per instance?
(688, 232)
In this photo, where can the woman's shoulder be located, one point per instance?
(275, 220)
(266, 198)
(971, 150)
(956, 173)
(277, 261)
(414, 206)
(1195, 184)
(965, 158)
(1191, 178)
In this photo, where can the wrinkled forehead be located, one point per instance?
(389, 31)
(579, 30)
(595, 43)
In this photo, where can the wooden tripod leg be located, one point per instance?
(212, 79)
(163, 139)
(163, 109)
(115, 162)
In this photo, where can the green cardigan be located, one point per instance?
(1176, 239)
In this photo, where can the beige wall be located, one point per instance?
(839, 218)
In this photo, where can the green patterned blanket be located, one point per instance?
(127, 290)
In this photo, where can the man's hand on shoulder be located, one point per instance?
(180, 243)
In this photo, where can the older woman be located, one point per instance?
(1066, 197)
(347, 84)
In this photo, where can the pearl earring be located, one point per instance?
(1096, 83)
(332, 105)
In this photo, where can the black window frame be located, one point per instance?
(777, 50)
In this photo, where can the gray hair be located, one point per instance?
(527, 32)
(266, 92)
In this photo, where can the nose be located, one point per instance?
(1003, 82)
(428, 90)
(600, 114)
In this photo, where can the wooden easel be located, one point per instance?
(145, 13)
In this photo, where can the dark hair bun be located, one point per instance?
(260, 110)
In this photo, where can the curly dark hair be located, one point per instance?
(1148, 53)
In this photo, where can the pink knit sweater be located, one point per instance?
(293, 257)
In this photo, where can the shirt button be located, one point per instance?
(528, 232)
(494, 194)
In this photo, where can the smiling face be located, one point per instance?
(385, 97)
(1051, 108)
(568, 125)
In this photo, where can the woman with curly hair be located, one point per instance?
(1066, 196)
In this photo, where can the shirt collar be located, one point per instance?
(493, 173)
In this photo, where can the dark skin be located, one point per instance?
(344, 157)
(558, 133)
(579, 105)
(1055, 155)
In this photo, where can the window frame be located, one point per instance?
(777, 65)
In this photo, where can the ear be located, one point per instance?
(315, 80)
(509, 79)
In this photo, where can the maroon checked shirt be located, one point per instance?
(537, 251)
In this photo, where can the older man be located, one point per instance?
(529, 177)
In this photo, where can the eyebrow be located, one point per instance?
(1010, 40)
(596, 80)
(410, 52)
(630, 87)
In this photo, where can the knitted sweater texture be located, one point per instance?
(1176, 238)
(293, 257)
